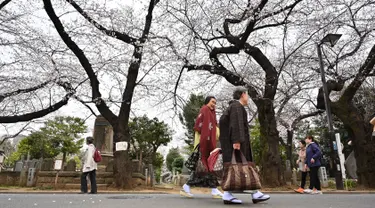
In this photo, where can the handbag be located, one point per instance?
(240, 176)
(215, 163)
(201, 168)
(191, 162)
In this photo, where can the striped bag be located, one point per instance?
(240, 176)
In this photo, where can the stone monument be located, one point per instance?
(103, 141)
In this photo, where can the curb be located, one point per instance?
(76, 193)
(161, 192)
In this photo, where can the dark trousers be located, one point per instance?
(303, 179)
(92, 175)
(314, 178)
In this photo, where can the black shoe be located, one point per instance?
(93, 193)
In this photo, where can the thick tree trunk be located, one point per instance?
(122, 167)
(271, 167)
(363, 143)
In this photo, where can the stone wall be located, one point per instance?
(71, 180)
(65, 180)
(8, 178)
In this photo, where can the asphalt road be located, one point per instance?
(175, 201)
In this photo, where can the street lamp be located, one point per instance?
(332, 39)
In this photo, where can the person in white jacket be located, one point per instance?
(89, 168)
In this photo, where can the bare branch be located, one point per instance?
(96, 95)
(360, 77)
(113, 33)
(85, 104)
(38, 114)
(26, 90)
(4, 3)
(301, 117)
(4, 138)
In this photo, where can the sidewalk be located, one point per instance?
(159, 189)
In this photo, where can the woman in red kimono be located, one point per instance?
(205, 125)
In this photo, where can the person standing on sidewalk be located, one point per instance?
(313, 161)
(89, 168)
(301, 163)
(234, 135)
(206, 135)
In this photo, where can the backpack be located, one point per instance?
(97, 156)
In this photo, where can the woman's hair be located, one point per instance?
(303, 142)
(208, 99)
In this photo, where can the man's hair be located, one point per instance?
(303, 142)
(238, 92)
(310, 137)
(90, 140)
(208, 99)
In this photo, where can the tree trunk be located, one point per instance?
(363, 144)
(63, 161)
(271, 167)
(122, 167)
(289, 146)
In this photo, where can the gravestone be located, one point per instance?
(185, 174)
(294, 177)
(18, 166)
(166, 177)
(103, 141)
(150, 175)
(71, 165)
(109, 167)
(137, 166)
(288, 173)
(47, 164)
(351, 166)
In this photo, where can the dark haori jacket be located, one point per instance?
(234, 128)
(313, 151)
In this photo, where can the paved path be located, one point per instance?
(175, 201)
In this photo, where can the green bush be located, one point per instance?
(178, 164)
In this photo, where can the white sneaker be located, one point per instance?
(307, 191)
(316, 192)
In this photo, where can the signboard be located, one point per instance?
(340, 147)
(30, 176)
(121, 146)
(58, 164)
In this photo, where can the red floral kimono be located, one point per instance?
(206, 124)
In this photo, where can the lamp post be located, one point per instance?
(332, 39)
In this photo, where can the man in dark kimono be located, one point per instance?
(234, 135)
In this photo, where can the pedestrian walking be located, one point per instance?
(302, 167)
(313, 162)
(206, 135)
(234, 135)
(89, 168)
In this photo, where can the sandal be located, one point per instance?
(232, 201)
(260, 199)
